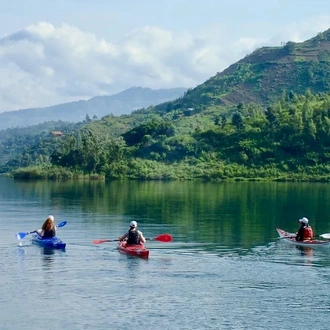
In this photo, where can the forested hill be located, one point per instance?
(262, 76)
(122, 103)
(288, 141)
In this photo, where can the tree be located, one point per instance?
(240, 106)
(290, 47)
(87, 118)
(310, 131)
(169, 107)
(307, 112)
(223, 121)
(272, 117)
(217, 120)
(153, 128)
(292, 96)
(237, 120)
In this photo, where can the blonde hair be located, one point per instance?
(49, 223)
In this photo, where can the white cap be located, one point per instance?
(303, 220)
(51, 217)
(133, 224)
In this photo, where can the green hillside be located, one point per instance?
(262, 76)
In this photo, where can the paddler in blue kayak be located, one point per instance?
(305, 231)
(133, 236)
(48, 229)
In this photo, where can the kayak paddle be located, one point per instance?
(161, 238)
(327, 235)
(22, 234)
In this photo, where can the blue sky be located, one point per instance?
(63, 50)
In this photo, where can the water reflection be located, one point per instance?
(47, 257)
(307, 254)
(133, 267)
(47, 251)
(225, 256)
(305, 251)
(20, 251)
(233, 214)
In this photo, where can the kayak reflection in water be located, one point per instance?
(305, 231)
(133, 236)
(48, 229)
(305, 251)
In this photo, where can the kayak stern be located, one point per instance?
(134, 250)
(52, 243)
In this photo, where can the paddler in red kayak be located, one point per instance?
(133, 236)
(305, 231)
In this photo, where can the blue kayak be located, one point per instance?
(52, 243)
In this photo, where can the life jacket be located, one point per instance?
(308, 233)
(49, 233)
(133, 237)
(305, 233)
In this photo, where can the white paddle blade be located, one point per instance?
(326, 236)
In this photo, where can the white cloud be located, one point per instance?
(301, 31)
(44, 64)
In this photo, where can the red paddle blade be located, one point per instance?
(99, 241)
(164, 238)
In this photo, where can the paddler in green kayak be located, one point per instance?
(133, 236)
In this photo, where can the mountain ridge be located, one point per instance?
(262, 76)
(117, 104)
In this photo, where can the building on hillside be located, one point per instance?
(189, 112)
(56, 133)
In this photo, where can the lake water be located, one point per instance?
(225, 268)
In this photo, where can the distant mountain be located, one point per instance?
(122, 103)
(263, 76)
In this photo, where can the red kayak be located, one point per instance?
(134, 250)
(291, 238)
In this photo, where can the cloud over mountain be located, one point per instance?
(45, 64)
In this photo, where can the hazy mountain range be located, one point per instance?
(118, 104)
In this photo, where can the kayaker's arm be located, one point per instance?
(300, 234)
(142, 238)
(121, 238)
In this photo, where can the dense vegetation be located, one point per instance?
(289, 140)
(32, 145)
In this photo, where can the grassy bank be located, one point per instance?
(141, 169)
(52, 173)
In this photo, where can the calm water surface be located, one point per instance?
(225, 269)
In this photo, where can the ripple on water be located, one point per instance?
(182, 286)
